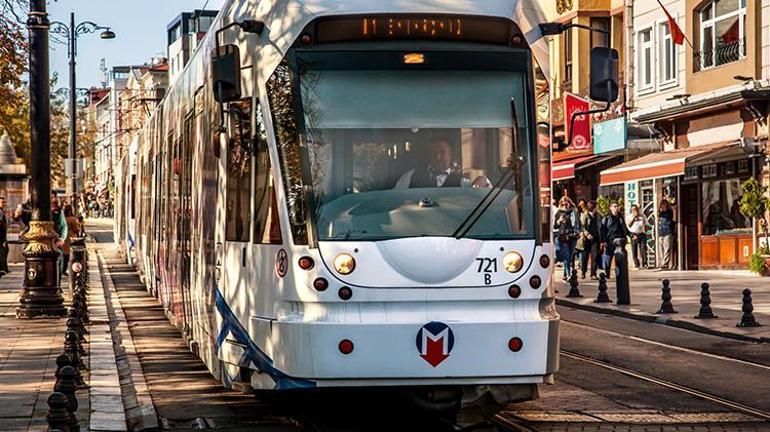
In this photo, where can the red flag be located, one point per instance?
(677, 35)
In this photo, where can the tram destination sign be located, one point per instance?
(419, 27)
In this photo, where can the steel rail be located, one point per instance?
(672, 347)
(737, 406)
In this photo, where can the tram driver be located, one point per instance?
(440, 171)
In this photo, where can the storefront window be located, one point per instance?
(721, 207)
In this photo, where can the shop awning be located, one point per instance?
(663, 164)
(565, 170)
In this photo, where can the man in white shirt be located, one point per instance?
(439, 172)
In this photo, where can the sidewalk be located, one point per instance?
(726, 300)
(28, 351)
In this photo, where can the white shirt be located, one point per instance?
(406, 179)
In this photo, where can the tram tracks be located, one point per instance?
(736, 406)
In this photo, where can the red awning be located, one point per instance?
(657, 165)
(564, 170)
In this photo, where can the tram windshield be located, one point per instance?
(393, 149)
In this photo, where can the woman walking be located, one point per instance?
(637, 228)
(74, 229)
(566, 229)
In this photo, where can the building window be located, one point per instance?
(722, 33)
(568, 57)
(600, 39)
(668, 66)
(645, 59)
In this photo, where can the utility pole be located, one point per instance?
(72, 151)
(41, 294)
(71, 32)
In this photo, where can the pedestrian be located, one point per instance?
(23, 215)
(613, 228)
(566, 229)
(74, 229)
(60, 227)
(3, 239)
(666, 227)
(637, 228)
(590, 222)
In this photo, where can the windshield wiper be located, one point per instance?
(515, 161)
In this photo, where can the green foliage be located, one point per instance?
(754, 201)
(603, 204)
(757, 264)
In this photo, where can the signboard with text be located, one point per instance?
(610, 135)
(581, 133)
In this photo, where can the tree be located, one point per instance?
(754, 202)
(14, 99)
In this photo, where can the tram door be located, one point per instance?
(234, 204)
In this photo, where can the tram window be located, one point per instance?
(282, 92)
(238, 215)
(267, 227)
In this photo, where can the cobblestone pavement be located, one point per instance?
(726, 289)
(28, 350)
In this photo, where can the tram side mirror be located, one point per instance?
(226, 73)
(604, 74)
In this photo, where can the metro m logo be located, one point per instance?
(435, 341)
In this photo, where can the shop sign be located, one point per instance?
(581, 133)
(690, 173)
(709, 171)
(743, 166)
(728, 168)
(632, 196)
(610, 135)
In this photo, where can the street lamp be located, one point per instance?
(72, 32)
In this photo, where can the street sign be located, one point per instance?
(610, 135)
(581, 134)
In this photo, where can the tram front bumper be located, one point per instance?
(432, 352)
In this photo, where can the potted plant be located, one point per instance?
(754, 205)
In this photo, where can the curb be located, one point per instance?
(105, 396)
(137, 402)
(662, 319)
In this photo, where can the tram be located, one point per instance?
(355, 193)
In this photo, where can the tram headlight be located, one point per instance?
(344, 264)
(513, 262)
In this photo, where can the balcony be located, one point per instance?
(723, 54)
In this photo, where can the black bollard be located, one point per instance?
(666, 307)
(748, 319)
(621, 272)
(603, 297)
(73, 314)
(72, 349)
(574, 291)
(57, 417)
(705, 311)
(67, 386)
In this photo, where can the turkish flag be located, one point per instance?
(677, 35)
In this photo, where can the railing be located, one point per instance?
(723, 54)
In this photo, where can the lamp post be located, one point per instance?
(40, 294)
(72, 32)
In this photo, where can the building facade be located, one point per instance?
(577, 159)
(183, 34)
(707, 103)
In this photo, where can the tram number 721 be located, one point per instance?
(487, 266)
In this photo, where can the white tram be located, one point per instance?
(369, 206)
